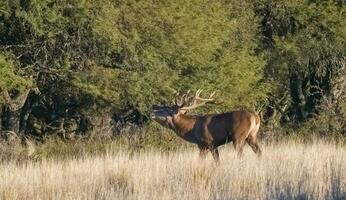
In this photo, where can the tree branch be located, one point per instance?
(18, 101)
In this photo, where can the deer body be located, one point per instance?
(211, 131)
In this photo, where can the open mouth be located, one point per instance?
(157, 118)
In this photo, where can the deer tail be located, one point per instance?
(258, 119)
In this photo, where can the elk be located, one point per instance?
(209, 131)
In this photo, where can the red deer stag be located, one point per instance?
(209, 131)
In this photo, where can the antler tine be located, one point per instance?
(178, 100)
(185, 97)
(206, 99)
(212, 94)
(199, 91)
(196, 98)
(174, 101)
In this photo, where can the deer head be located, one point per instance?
(181, 106)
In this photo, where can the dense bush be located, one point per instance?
(86, 68)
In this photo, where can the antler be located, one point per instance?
(192, 102)
(183, 99)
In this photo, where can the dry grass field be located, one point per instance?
(286, 171)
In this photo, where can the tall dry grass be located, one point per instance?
(286, 171)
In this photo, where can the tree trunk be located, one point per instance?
(11, 119)
(11, 116)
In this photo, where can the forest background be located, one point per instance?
(85, 69)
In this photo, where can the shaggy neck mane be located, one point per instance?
(183, 124)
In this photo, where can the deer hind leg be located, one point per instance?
(239, 141)
(252, 141)
(238, 146)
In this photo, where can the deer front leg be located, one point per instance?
(215, 153)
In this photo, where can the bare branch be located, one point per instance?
(18, 101)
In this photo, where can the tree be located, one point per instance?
(306, 44)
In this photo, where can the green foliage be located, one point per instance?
(108, 62)
(154, 50)
(11, 79)
(106, 88)
(306, 56)
(174, 46)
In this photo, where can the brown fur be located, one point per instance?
(258, 119)
(211, 131)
